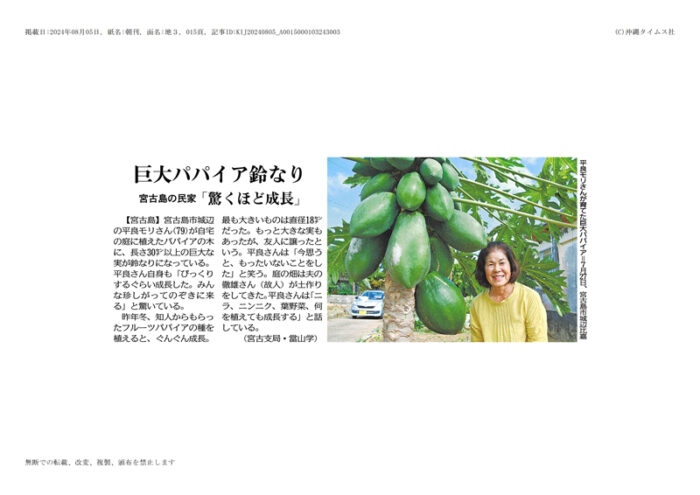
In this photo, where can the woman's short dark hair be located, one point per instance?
(480, 273)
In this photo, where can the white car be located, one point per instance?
(369, 303)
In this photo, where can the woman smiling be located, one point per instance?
(507, 311)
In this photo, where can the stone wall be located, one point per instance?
(339, 306)
(344, 300)
(561, 328)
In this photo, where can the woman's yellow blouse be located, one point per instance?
(520, 317)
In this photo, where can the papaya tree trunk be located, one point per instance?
(399, 305)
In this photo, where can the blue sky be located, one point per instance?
(342, 200)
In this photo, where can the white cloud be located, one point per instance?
(510, 186)
(336, 182)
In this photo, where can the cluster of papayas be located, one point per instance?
(408, 220)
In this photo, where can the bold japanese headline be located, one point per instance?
(252, 174)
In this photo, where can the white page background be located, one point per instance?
(616, 414)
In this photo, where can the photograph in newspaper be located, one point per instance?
(436, 249)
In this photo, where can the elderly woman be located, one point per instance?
(507, 311)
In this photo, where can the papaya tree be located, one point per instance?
(420, 217)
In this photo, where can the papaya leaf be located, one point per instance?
(356, 180)
(568, 204)
(513, 162)
(544, 273)
(338, 241)
(463, 274)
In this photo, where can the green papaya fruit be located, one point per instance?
(379, 183)
(431, 171)
(402, 163)
(365, 255)
(410, 193)
(441, 257)
(462, 232)
(439, 204)
(364, 170)
(440, 305)
(407, 257)
(374, 215)
(450, 177)
(380, 164)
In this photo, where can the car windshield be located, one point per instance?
(374, 294)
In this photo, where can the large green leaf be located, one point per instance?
(463, 274)
(356, 180)
(338, 241)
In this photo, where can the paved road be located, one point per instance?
(349, 330)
